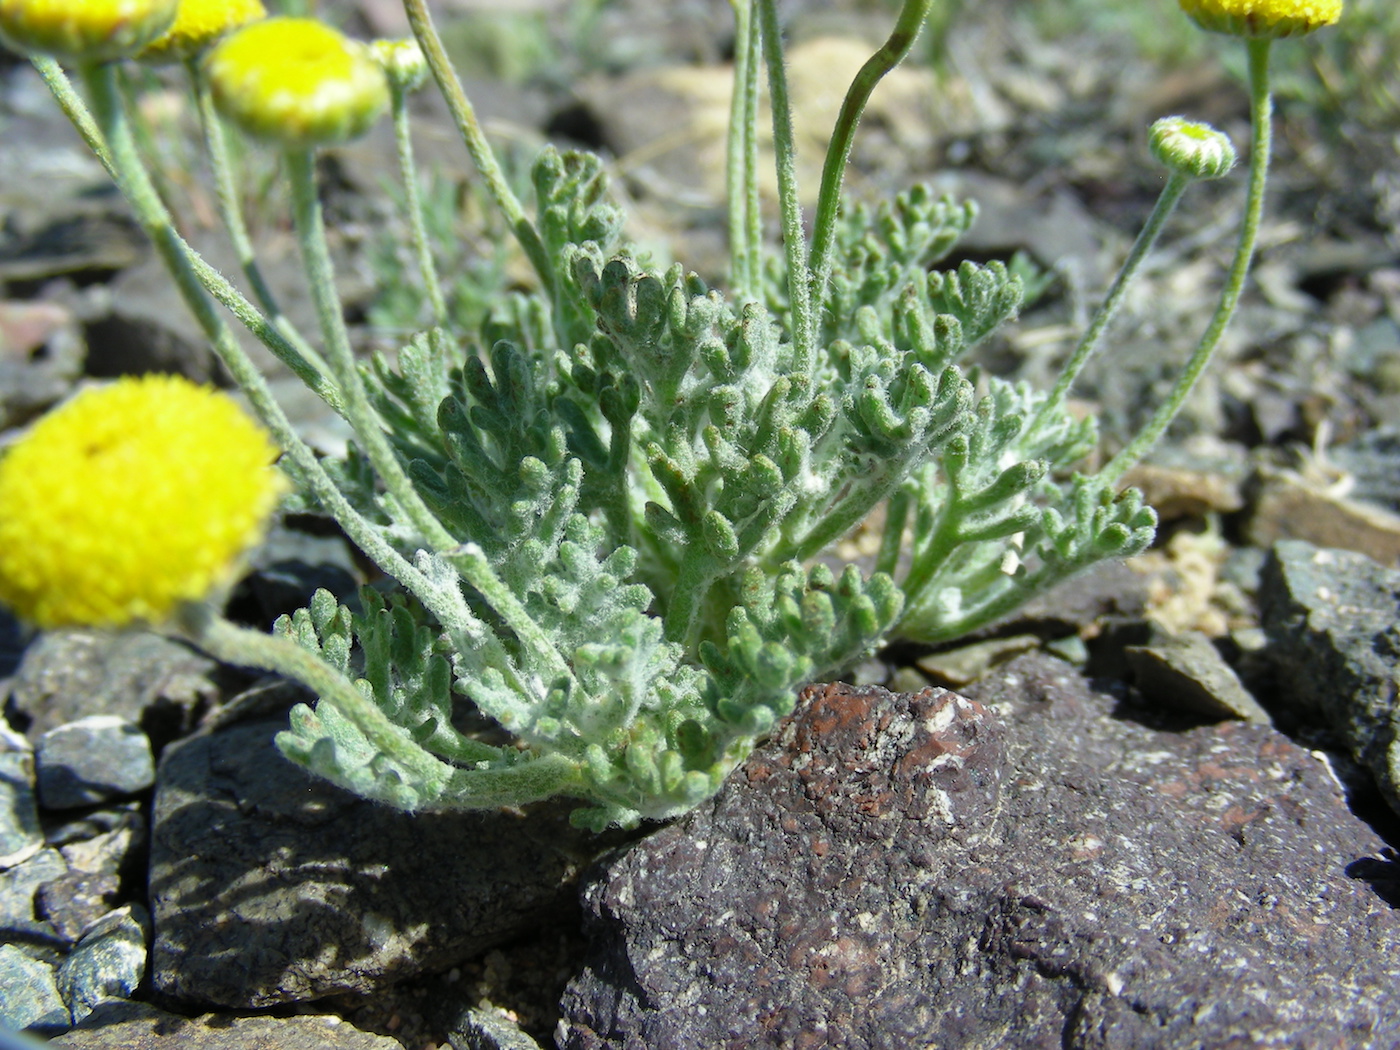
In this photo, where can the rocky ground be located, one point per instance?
(1159, 809)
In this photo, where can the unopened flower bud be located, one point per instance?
(198, 24)
(403, 62)
(1188, 148)
(296, 82)
(1264, 19)
(84, 30)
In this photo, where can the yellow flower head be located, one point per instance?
(198, 24)
(296, 82)
(84, 30)
(129, 500)
(1263, 18)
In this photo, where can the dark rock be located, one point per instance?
(488, 1030)
(138, 1026)
(1027, 868)
(1186, 672)
(1333, 620)
(28, 995)
(269, 886)
(91, 761)
(73, 902)
(1373, 462)
(19, 887)
(20, 834)
(108, 963)
(144, 678)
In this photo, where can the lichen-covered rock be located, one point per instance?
(1032, 866)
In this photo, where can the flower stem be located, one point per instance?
(1261, 113)
(180, 260)
(838, 153)
(789, 203)
(231, 213)
(413, 201)
(320, 273)
(464, 115)
(745, 213)
(73, 108)
(1089, 342)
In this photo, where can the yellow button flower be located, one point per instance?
(84, 30)
(198, 24)
(129, 500)
(1263, 18)
(297, 82)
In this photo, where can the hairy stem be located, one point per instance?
(838, 152)
(413, 202)
(745, 215)
(1089, 342)
(483, 156)
(790, 205)
(1261, 115)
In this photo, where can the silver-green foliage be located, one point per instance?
(658, 479)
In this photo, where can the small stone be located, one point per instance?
(117, 1025)
(19, 889)
(41, 357)
(488, 1030)
(108, 963)
(109, 852)
(20, 834)
(28, 993)
(1288, 506)
(73, 902)
(967, 663)
(159, 684)
(1180, 492)
(93, 760)
(1187, 673)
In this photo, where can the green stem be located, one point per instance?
(230, 203)
(464, 115)
(1261, 113)
(745, 215)
(838, 152)
(413, 201)
(320, 274)
(168, 239)
(790, 205)
(300, 461)
(73, 108)
(1089, 342)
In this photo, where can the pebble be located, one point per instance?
(20, 834)
(93, 760)
(30, 996)
(108, 963)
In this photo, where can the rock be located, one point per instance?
(1288, 506)
(41, 356)
(1032, 865)
(488, 1030)
(1372, 461)
(20, 834)
(967, 663)
(269, 886)
(19, 886)
(1182, 492)
(159, 684)
(28, 995)
(108, 963)
(1187, 673)
(104, 842)
(138, 1026)
(93, 760)
(73, 902)
(1334, 649)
